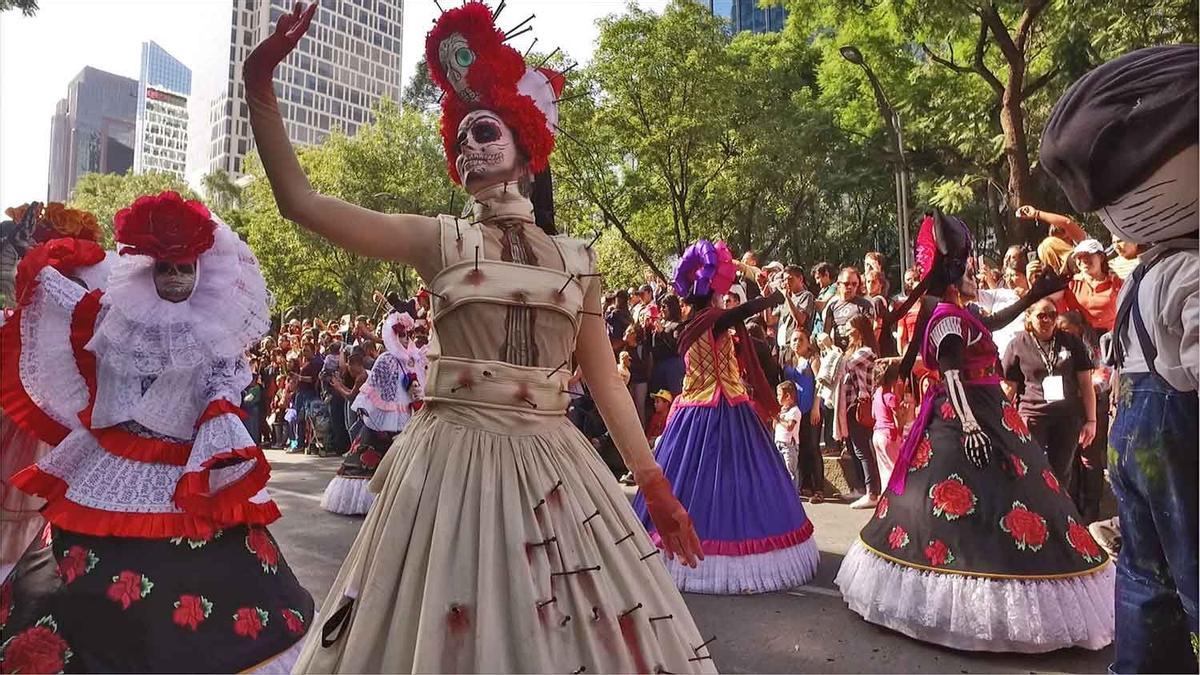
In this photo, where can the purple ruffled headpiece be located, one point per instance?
(705, 268)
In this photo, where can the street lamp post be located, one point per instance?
(891, 118)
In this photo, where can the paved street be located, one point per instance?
(806, 630)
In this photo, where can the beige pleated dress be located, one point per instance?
(499, 541)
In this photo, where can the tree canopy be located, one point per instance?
(103, 194)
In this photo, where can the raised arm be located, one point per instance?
(746, 310)
(594, 355)
(409, 239)
(1065, 225)
(1046, 285)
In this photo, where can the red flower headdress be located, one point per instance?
(65, 254)
(165, 227)
(480, 72)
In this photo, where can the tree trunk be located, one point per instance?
(1016, 151)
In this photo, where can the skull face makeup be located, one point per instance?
(174, 282)
(456, 57)
(487, 151)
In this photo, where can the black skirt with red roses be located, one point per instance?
(365, 453)
(111, 604)
(1009, 520)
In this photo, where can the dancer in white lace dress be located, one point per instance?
(499, 541)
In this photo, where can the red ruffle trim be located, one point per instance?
(83, 326)
(750, 546)
(73, 517)
(193, 492)
(220, 407)
(122, 443)
(14, 400)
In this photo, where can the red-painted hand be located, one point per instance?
(260, 64)
(671, 520)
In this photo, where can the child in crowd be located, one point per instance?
(787, 425)
(798, 358)
(891, 411)
(658, 419)
(625, 367)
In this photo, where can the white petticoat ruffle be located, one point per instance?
(776, 570)
(348, 496)
(47, 364)
(980, 614)
(144, 334)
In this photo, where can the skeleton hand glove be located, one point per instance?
(975, 442)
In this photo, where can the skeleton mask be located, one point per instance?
(174, 282)
(1162, 207)
(456, 57)
(487, 151)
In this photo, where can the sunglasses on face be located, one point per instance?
(848, 284)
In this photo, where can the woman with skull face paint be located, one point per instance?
(498, 542)
(157, 558)
(388, 399)
(975, 545)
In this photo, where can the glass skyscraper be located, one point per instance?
(92, 130)
(162, 117)
(742, 15)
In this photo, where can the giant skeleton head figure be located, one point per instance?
(1122, 142)
(456, 57)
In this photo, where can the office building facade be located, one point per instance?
(92, 131)
(746, 15)
(162, 117)
(349, 59)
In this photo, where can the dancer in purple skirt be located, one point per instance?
(716, 450)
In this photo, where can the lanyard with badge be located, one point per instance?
(1052, 384)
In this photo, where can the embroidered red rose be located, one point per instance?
(922, 455)
(881, 508)
(898, 538)
(938, 554)
(166, 227)
(952, 498)
(39, 649)
(129, 587)
(1013, 422)
(947, 411)
(1027, 528)
(1019, 467)
(249, 622)
(1051, 479)
(6, 603)
(259, 543)
(1081, 540)
(191, 611)
(76, 562)
(293, 621)
(370, 459)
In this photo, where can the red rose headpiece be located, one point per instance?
(65, 254)
(467, 58)
(165, 227)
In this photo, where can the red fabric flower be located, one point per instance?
(370, 459)
(922, 455)
(129, 587)
(881, 509)
(259, 543)
(1027, 528)
(39, 649)
(948, 411)
(1081, 540)
(293, 621)
(1019, 467)
(938, 554)
(952, 498)
(249, 622)
(76, 562)
(165, 227)
(191, 611)
(1051, 479)
(898, 538)
(6, 603)
(1013, 422)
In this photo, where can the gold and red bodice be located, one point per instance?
(712, 371)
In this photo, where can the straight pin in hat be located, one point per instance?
(518, 33)
(546, 58)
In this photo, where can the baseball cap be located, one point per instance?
(1088, 246)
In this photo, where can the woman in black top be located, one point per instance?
(1050, 371)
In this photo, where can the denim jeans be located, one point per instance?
(1153, 463)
